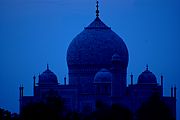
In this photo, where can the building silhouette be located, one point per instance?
(97, 60)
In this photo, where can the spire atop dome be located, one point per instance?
(97, 24)
(97, 8)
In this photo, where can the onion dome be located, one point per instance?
(147, 77)
(48, 77)
(92, 49)
(96, 45)
(103, 76)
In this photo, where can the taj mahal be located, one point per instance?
(97, 60)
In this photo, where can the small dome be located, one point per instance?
(147, 77)
(48, 77)
(103, 76)
(116, 57)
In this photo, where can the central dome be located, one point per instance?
(92, 50)
(95, 45)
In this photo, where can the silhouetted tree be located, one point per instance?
(48, 109)
(115, 112)
(154, 109)
(15, 116)
(72, 116)
(35, 111)
(56, 105)
(5, 114)
(119, 112)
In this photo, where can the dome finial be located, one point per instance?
(97, 8)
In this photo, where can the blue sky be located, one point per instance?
(36, 32)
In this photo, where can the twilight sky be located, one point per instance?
(36, 32)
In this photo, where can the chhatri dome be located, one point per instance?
(147, 77)
(94, 47)
(103, 76)
(48, 77)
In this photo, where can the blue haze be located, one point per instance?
(36, 32)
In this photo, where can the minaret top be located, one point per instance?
(147, 67)
(97, 8)
(47, 66)
(34, 77)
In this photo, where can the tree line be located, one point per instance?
(53, 109)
